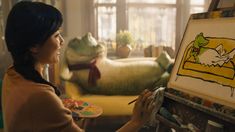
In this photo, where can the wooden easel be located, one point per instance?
(192, 112)
(214, 6)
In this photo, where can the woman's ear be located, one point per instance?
(34, 49)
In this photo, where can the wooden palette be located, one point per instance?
(82, 108)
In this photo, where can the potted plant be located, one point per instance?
(124, 40)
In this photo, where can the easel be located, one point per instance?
(194, 113)
(214, 6)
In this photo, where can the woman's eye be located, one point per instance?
(57, 35)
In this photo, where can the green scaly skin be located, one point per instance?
(199, 43)
(122, 77)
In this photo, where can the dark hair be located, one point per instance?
(30, 24)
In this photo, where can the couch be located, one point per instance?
(113, 105)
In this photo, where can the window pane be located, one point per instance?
(153, 25)
(197, 2)
(106, 23)
(196, 10)
(152, 1)
(105, 1)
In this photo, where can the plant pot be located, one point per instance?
(123, 51)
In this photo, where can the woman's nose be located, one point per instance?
(61, 40)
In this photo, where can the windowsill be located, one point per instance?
(134, 54)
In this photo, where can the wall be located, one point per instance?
(77, 17)
(5, 59)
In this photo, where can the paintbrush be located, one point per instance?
(132, 101)
(137, 98)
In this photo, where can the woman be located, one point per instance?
(30, 103)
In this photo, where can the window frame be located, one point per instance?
(182, 15)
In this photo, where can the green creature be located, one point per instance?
(208, 55)
(86, 63)
(198, 44)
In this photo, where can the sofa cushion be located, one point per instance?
(113, 105)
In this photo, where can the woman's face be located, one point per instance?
(49, 52)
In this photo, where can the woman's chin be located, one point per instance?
(56, 60)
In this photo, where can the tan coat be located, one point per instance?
(33, 107)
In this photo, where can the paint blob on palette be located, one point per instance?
(82, 108)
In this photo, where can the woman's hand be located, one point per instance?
(141, 113)
(143, 108)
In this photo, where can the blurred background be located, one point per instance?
(154, 25)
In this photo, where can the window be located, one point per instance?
(152, 1)
(151, 22)
(106, 18)
(197, 6)
(106, 1)
(107, 22)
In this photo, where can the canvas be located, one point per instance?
(205, 63)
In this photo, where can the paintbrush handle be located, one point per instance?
(137, 98)
(132, 101)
